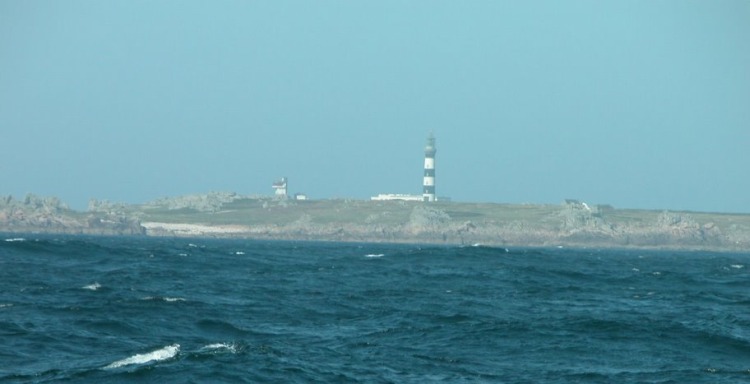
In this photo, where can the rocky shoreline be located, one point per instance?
(48, 215)
(672, 231)
(227, 215)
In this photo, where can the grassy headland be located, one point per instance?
(570, 223)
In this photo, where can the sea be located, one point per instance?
(177, 310)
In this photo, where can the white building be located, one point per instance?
(280, 188)
(428, 181)
(396, 196)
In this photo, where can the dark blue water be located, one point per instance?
(82, 309)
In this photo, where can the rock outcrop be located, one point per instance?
(36, 214)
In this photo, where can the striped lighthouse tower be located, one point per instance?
(429, 170)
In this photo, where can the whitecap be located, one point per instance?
(737, 266)
(92, 287)
(375, 255)
(173, 299)
(239, 253)
(165, 353)
(220, 347)
(15, 239)
(182, 254)
(5, 305)
(192, 245)
(167, 299)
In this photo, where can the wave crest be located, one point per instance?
(163, 298)
(165, 353)
(221, 347)
(92, 287)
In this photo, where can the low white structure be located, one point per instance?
(397, 196)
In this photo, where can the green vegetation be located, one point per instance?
(227, 214)
(265, 211)
(275, 212)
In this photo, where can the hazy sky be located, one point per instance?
(638, 104)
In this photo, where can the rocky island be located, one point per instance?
(229, 215)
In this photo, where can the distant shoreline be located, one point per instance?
(227, 215)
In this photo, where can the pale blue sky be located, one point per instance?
(638, 104)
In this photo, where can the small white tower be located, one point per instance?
(280, 187)
(428, 193)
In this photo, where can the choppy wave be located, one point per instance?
(163, 298)
(92, 287)
(165, 353)
(220, 347)
(328, 312)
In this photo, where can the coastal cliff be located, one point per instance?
(229, 215)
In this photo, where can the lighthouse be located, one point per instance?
(428, 193)
(280, 188)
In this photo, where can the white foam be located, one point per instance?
(167, 299)
(182, 254)
(239, 253)
(173, 299)
(218, 347)
(5, 305)
(375, 255)
(737, 266)
(15, 239)
(165, 353)
(92, 287)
